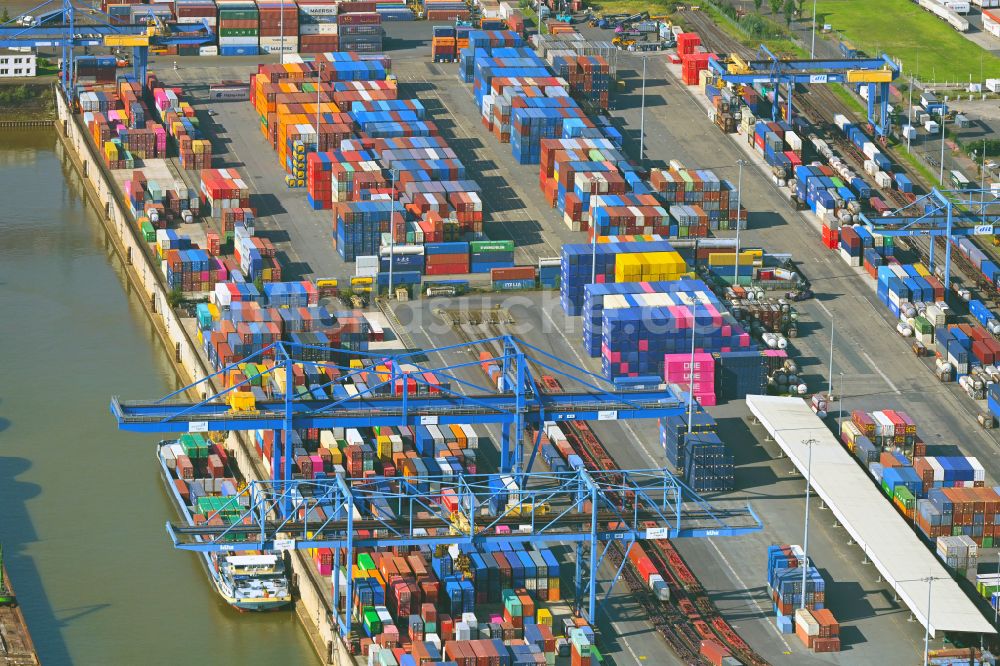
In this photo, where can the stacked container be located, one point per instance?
(784, 581)
(484, 256)
(239, 28)
(358, 227)
(279, 26)
(359, 32)
(699, 455)
(223, 189)
(578, 264)
(318, 26)
(636, 337)
(705, 193)
(196, 12)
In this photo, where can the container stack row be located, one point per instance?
(709, 202)
(812, 622)
(578, 265)
(240, 326)
(698, 455)
(155, 203)
(944, 496)
(373, 148)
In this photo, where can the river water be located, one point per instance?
(82, 508)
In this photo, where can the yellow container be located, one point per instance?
(747, 258)
(360, 281)
(242, 402)
(384, 446)
(544, 616)
(356, 364)
(213, 310)
(921, 270)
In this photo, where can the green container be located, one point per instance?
(366, 562)
(886, 489)
(238, 14)
(149, 232)
(837, 182)
(923, 326)
(237, 32)
(987, 542)
(491, 246)
(372, 623)
(956, 531)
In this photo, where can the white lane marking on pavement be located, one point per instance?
(879, 371)
(824, 309)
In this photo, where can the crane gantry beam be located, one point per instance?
(456, 399)
(948, 213)
(68, 27)
(876, 73)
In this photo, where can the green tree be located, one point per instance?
(775, 6)
(789, 9)
(174, 297)
(757, 4)
(4, 15)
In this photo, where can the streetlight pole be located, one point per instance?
(739, 195)
(927, 625)
(909, 115)
(392, 228)
(805, 539)
(941, 172)
(691, 380)
(319, 88)
(593, 247)
(812, 49)
(830, 387)
(840, 410)
(642, 113)
(996, 602)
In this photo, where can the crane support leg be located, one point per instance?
(930, 257)
(140, 61)
(578, 577)
(286, 439)
(947, 248)
(592, 602)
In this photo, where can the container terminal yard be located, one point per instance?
(509, 349)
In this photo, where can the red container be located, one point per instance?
(514, 273)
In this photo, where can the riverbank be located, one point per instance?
(313, 603)
(27, 103)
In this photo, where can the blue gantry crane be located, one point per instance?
(577, 507)
(517, 505)
(460, 399)
(948, 213)
(61, 24)
(876, 73)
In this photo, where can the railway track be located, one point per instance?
(819, 104)
(690, 616)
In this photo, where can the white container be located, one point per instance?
(328, 28)
(794, 141)
(870, 150)
(805, 620)
(909, 132)
(932, 126)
